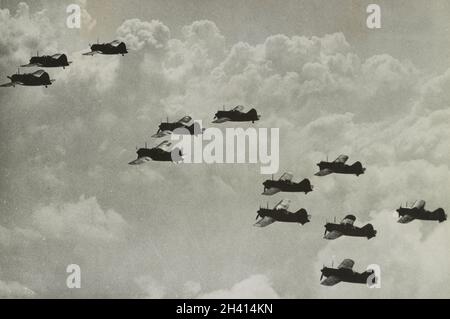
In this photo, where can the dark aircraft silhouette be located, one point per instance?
(49, 61)
(37, 78)
(280, 213)
(111, 48)
(181, 127)
(417, 211)
(162, 152)
(345, 273)
(346, 228)
(236, 115)
(339, 167)
(285, 184)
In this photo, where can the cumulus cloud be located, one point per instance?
(14, 289)
(253, 287)
(78, 136)
(138, 34)
(84, 220)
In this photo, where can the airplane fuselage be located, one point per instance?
(282, 215)
(109, 49)
(237, 116)
(289, 186)
(351, 230)
(342, 168)
(50, 62)
(29, 79)
(422, 214)
(347, 275)
(157, 154)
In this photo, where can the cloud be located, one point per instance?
(84, 220)
(253, 287)
(151, 288)
(77, 137)
(14, 289)
(138, 34)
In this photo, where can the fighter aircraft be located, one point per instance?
(162, 152)
(49, 61)
(180, 127)
(285, 184)
(114, 47)
(344, 272)
(417, 211)
(37, 78)
(346, 228)
(339, 167)
(236, 115)
(280, 213)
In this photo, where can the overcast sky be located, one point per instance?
(311, 68)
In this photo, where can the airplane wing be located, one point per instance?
(405, 219)
(265, 221)
(30, 65)
(333, 235)
(324, 172)
(341, 159)
(420, 204)
(221, 120)
(91, 53)
(283, 204)
(7, 85)
(330, 281)
(349, 219)
(140, 160)
(347, 264)
(271, 191)
(286, 177)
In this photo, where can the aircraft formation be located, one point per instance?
(58, 60)
(265, 216)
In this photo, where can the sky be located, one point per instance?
(160, 230)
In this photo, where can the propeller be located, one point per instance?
(325, 232)
(321, 275)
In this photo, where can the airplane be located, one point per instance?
(346, 228)
(49, 61)
(339, 167)
(37, 78)
(345, 273)
(285, 184)
(180, 127)
(236, 115)
(280, 213)
(418, 211)
(162, 152)
(114, 47)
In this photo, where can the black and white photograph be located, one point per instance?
(212, 149)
